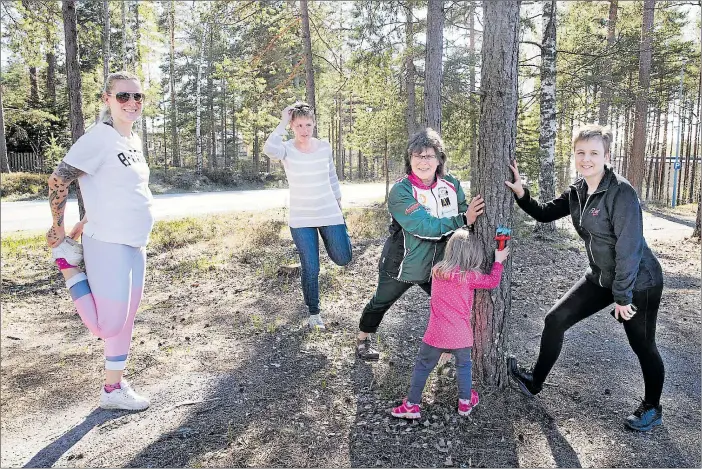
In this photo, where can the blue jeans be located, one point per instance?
(427, 359)
(338, 245)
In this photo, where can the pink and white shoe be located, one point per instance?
(406, 411)
(465, 407)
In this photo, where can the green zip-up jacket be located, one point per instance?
(423, 218)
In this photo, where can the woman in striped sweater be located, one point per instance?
(315, 199)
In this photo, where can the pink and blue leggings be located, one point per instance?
(108, 294)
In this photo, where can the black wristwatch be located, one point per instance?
(465, 221)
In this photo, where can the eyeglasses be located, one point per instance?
(424, 157)
(123, 97)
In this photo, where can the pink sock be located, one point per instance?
(111, 387)
(63, 264)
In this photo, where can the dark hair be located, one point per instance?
(427, 138)
(302, 110)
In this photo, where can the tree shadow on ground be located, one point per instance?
(271, 395)
(48, 456)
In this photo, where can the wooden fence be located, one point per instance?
(26, 162)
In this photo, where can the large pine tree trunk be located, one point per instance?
(661, 171)
(472, 100)
(105, 39)
(4, 163)
(410, 71)
(547, 128)
(175, 152)
(696, 145)
(635, 168)
(653, 161)
(496, 147)
(434, 68)
(307, 45)
(688, 153)
(606, 98)
(51, 74)
(33, 87)
(75, 87)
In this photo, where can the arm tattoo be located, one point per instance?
(67, 172)
(63, 176)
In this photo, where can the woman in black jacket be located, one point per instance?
(606, 213)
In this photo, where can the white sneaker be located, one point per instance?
(315, 322)
(70, 250)
(124, 399)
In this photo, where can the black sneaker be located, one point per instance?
(645, 417)
(365, 351)
(522, 377)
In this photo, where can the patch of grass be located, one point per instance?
(18, 246)
(196, 266)
(368, 223)
(23, 185)
(265, 233)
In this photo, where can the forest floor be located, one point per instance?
(236, 379)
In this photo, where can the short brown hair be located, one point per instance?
(594, 131)
(427, 138)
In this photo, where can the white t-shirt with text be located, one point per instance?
(115, 186)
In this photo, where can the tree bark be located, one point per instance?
(175, 152)
(696, 145)
(4, 163)
(75, 87)
(635, 167)
(547, 128)
(33, 87)
(472, 100)
(51, 75)
(661, 170)
(606, 83)
(497, 138)
(309, 70)
(434, 68)
(140, 64)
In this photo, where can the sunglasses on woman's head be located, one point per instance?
(123, 97)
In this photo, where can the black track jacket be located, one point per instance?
(610, 222)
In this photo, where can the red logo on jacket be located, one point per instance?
(594, 211)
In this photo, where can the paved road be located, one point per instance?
(35, 215)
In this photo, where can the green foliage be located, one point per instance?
(23, 184)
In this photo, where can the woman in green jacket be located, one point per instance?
(426, 206)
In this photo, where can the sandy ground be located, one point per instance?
(237, 380)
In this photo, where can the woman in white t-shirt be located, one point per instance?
(315, 199)
(114, 181)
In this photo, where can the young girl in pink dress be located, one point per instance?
(453, 283)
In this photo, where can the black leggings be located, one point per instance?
(584, 300)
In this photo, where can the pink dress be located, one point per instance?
(452, 305)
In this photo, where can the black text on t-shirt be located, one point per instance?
(132, 156)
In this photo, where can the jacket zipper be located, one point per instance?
(582, 212)
(436, 201)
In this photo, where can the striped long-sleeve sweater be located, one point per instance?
(314, 187)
